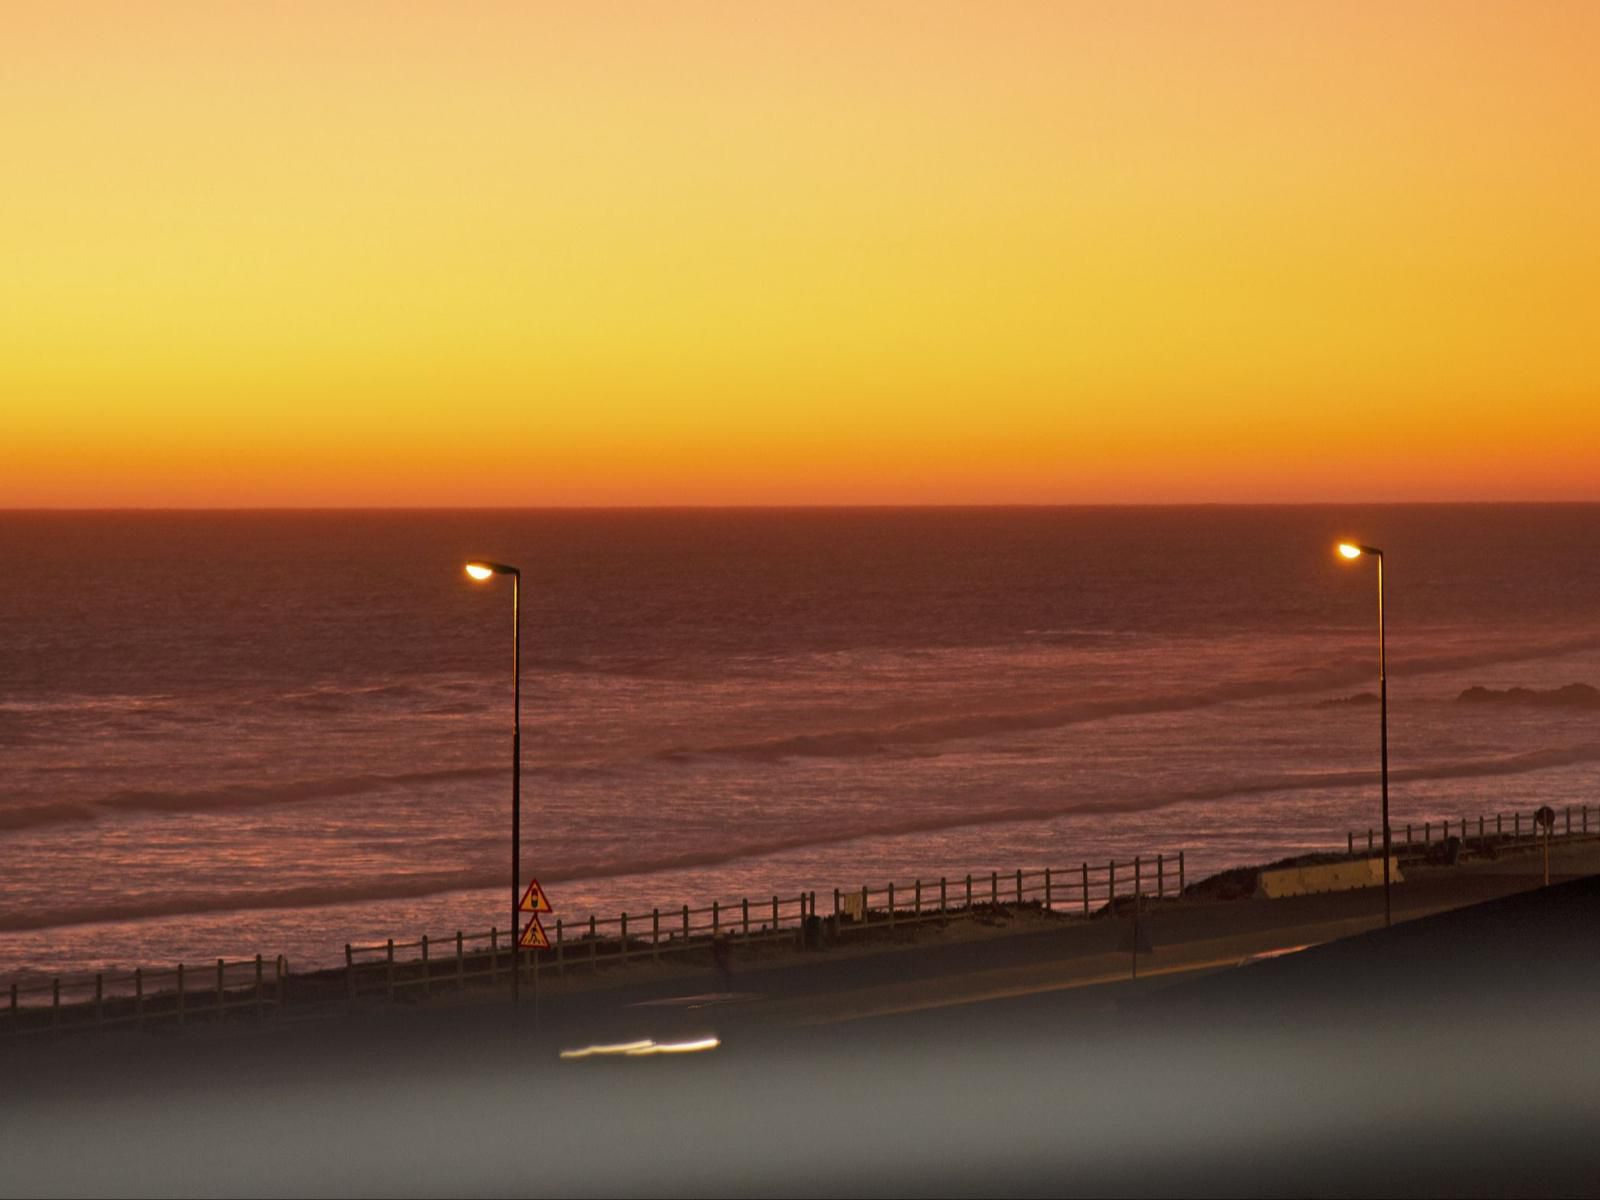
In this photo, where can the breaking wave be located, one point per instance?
(256, 796)
(33, 815)
(224, 798)
(246, 796)
(1574, 695)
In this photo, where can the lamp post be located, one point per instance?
(1353, 550)
(482, 570)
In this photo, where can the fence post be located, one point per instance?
(388, 969)
(1180, 874)
(916, 904)
(1568, 811)
(1019, 885)
(775, 913)
(594, 946)
(180, 993)
(349, 974)
(99, 996)
(655, 935)
(561, 950)
(427, 971)
(994, 889)
(1161, 876)
(744, 907)
(969, 892)
(1111, 884)
(623, 937)
(891, 904)
(1086, 889)
(716, 919)
(1499, 824)
(258, 987)
(1408, 835)
(55, 1001)
(1137, 877)
(866, 898)
(686, 922)
(461, 964)
(494, 953)
(1350, 843)
(1516, 824)
(138, 997)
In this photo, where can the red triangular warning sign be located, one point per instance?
(534, 900)
(533, 937)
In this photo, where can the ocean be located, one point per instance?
(278, 732)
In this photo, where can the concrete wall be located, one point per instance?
(1330, 877)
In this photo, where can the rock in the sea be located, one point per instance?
(1573, 695)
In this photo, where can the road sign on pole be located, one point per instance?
(534, 900)
(1546, 818)
(533, 936)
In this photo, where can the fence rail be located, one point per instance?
(431, 963)
(454, 959)
(178, 995)
(1070, 890)
(1498, 829)
(186, 993)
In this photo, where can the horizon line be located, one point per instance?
(839, 507)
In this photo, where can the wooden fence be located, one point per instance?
(1500, 829)
(174, 995)
(1077, 890)
(436, 963)
(452, 960)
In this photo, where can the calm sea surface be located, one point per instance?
(230, 733)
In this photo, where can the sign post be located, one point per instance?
(1136, 938)
(1545, 818)
(533, 936)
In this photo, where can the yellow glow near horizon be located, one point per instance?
(495, 253)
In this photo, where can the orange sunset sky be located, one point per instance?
(674, 253)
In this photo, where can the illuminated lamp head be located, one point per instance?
(1353, 550)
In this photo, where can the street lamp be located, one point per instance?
(482, 570)
(1354, 550)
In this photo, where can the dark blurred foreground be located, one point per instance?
(1452, 1055)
